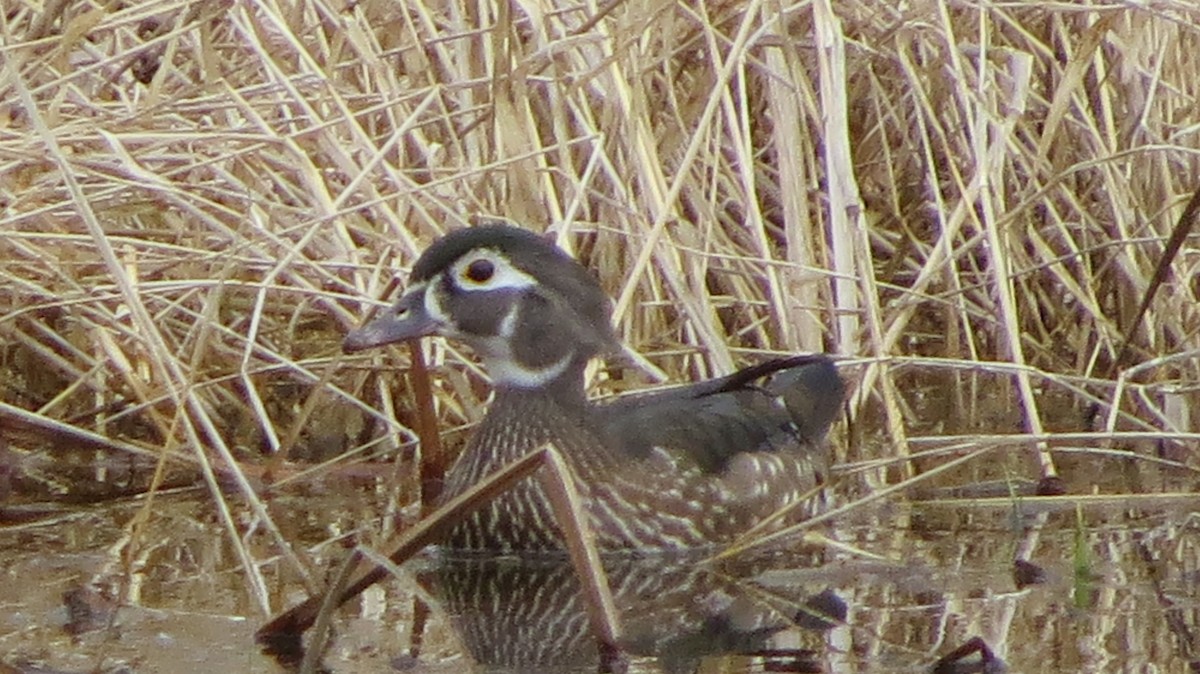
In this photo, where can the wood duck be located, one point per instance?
(682, 468)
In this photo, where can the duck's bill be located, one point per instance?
(406, 319)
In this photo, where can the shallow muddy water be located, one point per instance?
(1116, 591)
(1105, 579)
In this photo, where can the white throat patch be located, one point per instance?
(502, 365)
(508, 372)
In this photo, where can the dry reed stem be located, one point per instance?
(198, 199)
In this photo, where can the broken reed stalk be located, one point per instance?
(282, 633)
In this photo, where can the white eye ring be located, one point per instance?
(489, 270)
(479, 271)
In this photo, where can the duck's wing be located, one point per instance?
(784, 405)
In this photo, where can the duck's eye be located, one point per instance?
(479, 271)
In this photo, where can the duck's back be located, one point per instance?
(705, 462)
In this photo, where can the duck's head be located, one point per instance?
(530, 311)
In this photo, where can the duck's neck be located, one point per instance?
(565, 391)
(521, 420)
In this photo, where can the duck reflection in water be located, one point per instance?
(529, 616)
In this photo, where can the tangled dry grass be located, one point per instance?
(199, 199)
